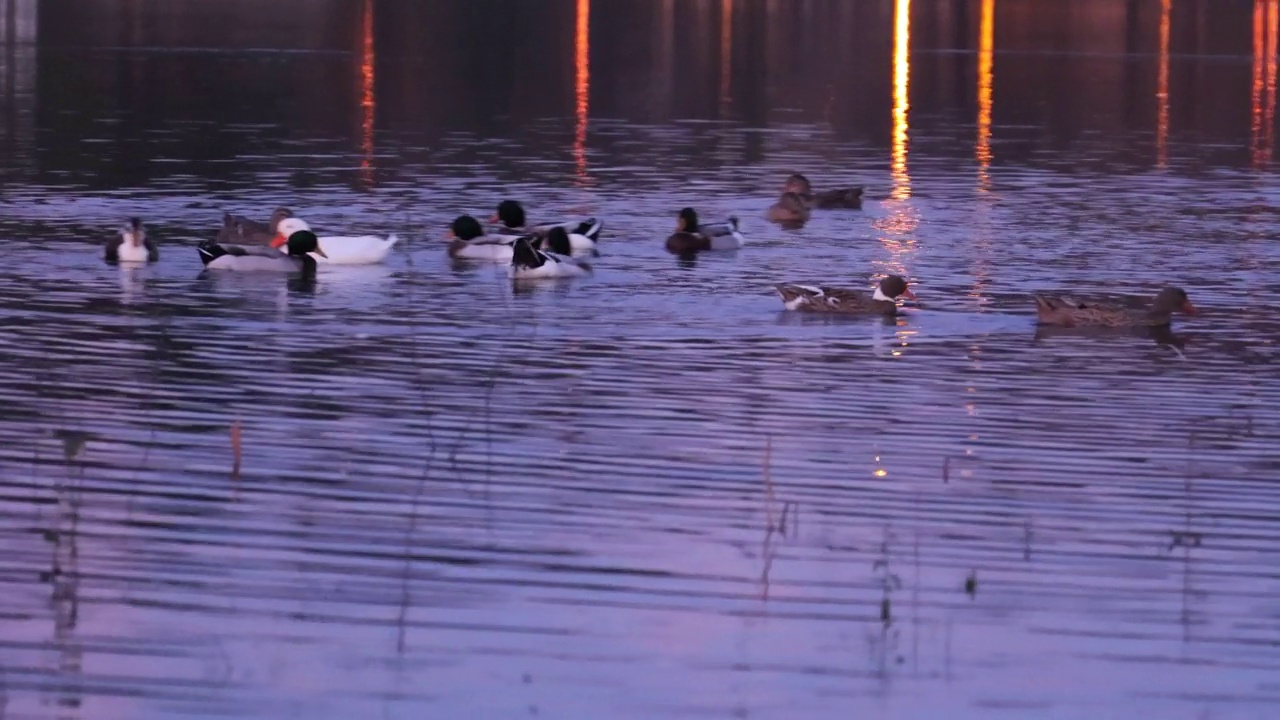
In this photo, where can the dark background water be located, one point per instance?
(647, 493)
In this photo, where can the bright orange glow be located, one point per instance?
(986, 79)
(1266, 27)
(367, 101)
(582, 87)
(1162, 88)
(1269, 116)
(726, 51)
(901, 75)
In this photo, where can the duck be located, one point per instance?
(582, 235)
(692, 237)
(814, 298)
(790, 208)
(239, 230)
(841, 198)
(1066, 312)
(338, 249)
(528, 262)
(469, 242)
(131, 245)
(297, 257)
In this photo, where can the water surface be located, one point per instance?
(646, 493)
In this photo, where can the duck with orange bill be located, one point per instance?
(1062, 311)
(337, 249)
(579, 237)
(846, 301)
(131, 245)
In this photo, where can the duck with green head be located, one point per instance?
(693, 237)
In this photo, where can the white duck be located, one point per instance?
(468, 241)
(337, 249)
(528, 262)
(131, 245)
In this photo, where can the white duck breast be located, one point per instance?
(247, 259)
(527, 262)
(340, 249)
(493, 248)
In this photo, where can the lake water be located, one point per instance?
(649, 492)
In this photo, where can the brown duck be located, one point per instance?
(691, 237)
(814, 298)
(790, 208)
(1066, 312)
(239, 230)
(842, 198)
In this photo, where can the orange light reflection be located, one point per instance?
(726, 52)
(1162, 88)
(582, 87)
(901, 75)
(367, 100)
(986, 79)
(1266, 28)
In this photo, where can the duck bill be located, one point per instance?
(278, 240)
(495, 218)
(320, 252)
(1189, 309)
(908, 295)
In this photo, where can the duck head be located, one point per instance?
(134, 233)
(798, 184)
(1171, 300)
(893, 287)
(286, 227)
(687, 220)
(302, 242)
(510, 213)
(465, 227)
(557, 241)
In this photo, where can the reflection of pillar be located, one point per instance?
(986, 79)
(368, 98)
(1266, 17)
(1162, 87)
(901, 75)
(726, 53)
(18, 22)
(581, 86)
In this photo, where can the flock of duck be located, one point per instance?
(285, 243)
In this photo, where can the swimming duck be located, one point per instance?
(1066, 312)
(469, 241)
(790, 208)
(242, 230)
(528, 262)
(813, 298)
(842, 198)
(131, 244)
(338, 249)
(582, 235)
(217, 256)
(692, 237)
